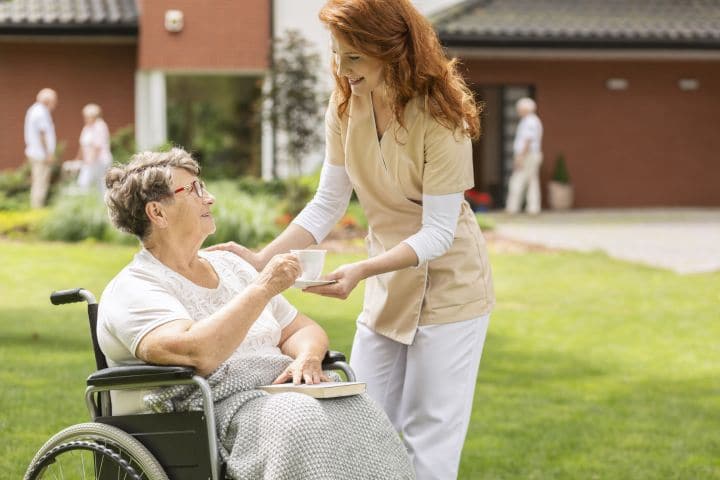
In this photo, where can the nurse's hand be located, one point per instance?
(245, 253)
(347, 276)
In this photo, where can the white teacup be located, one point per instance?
(311, 262)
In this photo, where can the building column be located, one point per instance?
(267, 140)
(150, 109)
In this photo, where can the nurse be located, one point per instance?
(398, 131)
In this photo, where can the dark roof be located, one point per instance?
(57, 17)
(582, 23)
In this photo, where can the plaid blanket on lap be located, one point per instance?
(290, 436)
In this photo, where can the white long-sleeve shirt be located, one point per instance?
(38, 122)
(439, 218)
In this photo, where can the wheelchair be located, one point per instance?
(152, 446)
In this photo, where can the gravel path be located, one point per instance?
(682, 240)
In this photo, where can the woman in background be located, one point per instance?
(94, 149)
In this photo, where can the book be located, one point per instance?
(319, 390)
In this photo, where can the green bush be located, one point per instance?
(242, 217)
(246, 219)
(15, 188)
(292, 194)
(21, 223)
(560, 172)
(76, 217)
(122, 144)
(257, 186)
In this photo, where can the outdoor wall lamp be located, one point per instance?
(616, 84)
(174, 20)
(688, 84)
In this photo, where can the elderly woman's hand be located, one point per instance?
(305, 368)
(279, 274)
(245, 253)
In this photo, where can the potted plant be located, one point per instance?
(560, 191)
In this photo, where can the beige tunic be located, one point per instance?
(390, 177)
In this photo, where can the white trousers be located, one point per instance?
(425, 388)
(522, 180)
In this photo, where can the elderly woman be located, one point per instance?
(94, 149)
(174, 304)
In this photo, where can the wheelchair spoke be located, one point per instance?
(82, 462)
(111, 457)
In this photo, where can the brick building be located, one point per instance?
(628, 91)
(118, 53)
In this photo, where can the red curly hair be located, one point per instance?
(394, 32)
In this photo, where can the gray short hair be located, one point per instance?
(526, 103)
(92, 110)
(46, 95)
(147, 178)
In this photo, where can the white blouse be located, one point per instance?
(147, 294)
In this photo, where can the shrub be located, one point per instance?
(292, 194)
(15, 188)
(560, 172)
(76, 217)
(241, 217)
(122, 144)
(20, 223)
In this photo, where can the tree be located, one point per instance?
(295, 109)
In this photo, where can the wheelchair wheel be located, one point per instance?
(94, 451)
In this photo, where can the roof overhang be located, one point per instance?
(58, 30)
(525, 53)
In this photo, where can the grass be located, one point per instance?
(593, 368)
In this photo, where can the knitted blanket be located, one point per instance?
(290, 436)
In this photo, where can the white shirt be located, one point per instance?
(529, 128)
(440, 214)
(147, 294)
(38, 121)
(95, 142)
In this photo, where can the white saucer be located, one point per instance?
(312, 283)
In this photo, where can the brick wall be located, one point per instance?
(80, 73)
(219, 35)
(650, 145)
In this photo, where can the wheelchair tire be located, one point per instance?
(114, 445)
(77, 464)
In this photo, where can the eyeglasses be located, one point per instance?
(197, 186)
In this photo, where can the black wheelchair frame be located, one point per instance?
(155, 446)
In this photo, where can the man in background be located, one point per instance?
(527, 149)
(40, 144)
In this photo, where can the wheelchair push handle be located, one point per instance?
(74, 295)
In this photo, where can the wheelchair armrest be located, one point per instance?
(332, 356)
(118, 376)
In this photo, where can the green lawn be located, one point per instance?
(593, 368)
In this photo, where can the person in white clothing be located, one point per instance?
(176, 305)
(94, 149)
(524, 182)
(40, 144)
